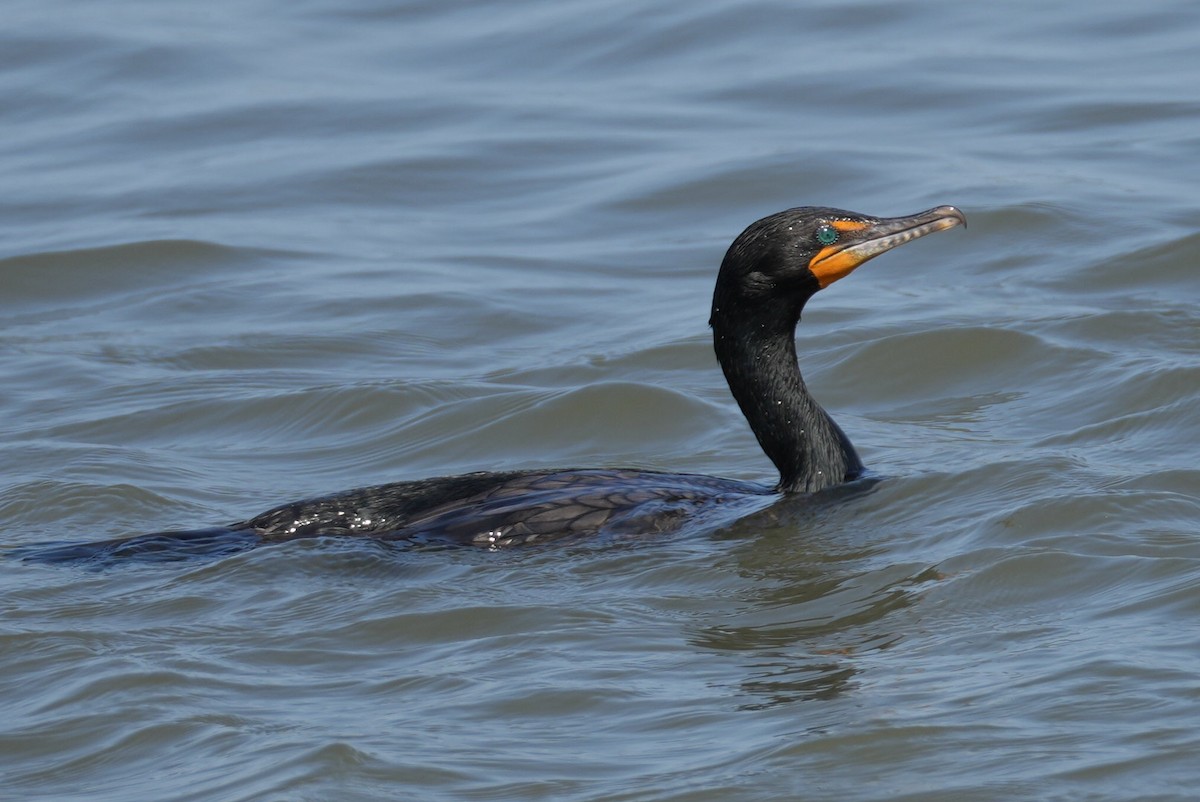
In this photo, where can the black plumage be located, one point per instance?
(767, 276)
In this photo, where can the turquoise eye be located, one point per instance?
(827, 235)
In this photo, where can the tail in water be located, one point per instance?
(157, 547)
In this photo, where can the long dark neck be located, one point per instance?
(758, 355)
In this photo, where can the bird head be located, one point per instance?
(789, 256)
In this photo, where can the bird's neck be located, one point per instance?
(809, 449)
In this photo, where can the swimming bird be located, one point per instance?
(768, 274)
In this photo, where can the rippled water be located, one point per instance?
(251, 252)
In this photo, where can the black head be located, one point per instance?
(779, 262)
(769, 273)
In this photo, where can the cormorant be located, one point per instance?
(768, 275)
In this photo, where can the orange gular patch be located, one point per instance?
(835, 261)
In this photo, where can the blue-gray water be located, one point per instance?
(253, 251)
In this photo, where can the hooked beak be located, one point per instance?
(862, 240)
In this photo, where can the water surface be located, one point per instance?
(251, 252)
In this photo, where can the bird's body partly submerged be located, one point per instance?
(768, 274)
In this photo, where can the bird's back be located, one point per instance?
(489, 510)
(506, 509)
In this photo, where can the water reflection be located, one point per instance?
(819, 598)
